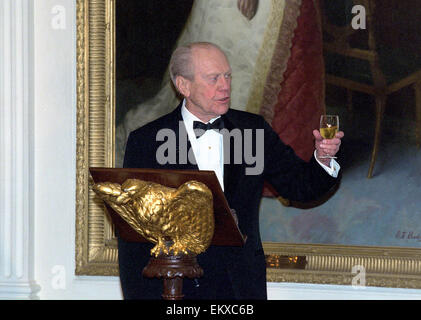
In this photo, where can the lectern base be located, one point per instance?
(172, 270)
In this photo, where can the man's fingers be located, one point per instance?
(334, 141)
(339, 134)
(317, 135)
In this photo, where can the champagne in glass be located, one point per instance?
(329, 126)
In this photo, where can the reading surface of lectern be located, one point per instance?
(173, 268)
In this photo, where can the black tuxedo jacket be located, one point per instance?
(229, 272)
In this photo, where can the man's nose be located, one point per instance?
(224, 83)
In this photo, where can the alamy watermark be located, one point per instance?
(58, 281)
(359, 20)
(58, 19)
(358, 281)
(244, 142)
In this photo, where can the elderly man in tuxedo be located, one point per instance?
(202, 75)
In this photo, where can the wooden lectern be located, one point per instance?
(172, 269)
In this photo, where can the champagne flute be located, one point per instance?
(329, 126)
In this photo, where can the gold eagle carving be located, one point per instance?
(182, 216)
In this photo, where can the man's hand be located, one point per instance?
(327, 147)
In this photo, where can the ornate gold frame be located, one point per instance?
(96, 252)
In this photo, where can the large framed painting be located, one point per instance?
(367, 232)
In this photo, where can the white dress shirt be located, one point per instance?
(208, 149)
(334, 168)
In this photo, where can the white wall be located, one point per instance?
(51, 152)
(55, 136)
(301, 291)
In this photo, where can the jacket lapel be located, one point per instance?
(232, 171)
(183, 142)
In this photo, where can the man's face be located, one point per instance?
(209, 93)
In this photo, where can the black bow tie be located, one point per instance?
(200, 127)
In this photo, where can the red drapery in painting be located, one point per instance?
(300, 101)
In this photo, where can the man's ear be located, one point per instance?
(183, 85)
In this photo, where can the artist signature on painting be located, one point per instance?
(408, 235)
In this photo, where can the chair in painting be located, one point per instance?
(367, 66)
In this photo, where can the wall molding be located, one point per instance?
(16, 151)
